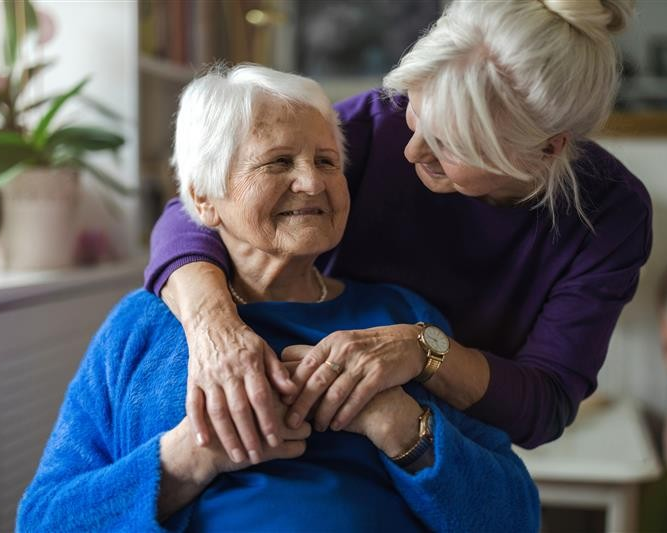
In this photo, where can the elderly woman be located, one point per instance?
(525, 234)
(121, 456)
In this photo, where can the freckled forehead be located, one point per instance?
(269, 115)
(274, 121)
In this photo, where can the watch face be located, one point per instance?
(436, 339)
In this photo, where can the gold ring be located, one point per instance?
(334, 366)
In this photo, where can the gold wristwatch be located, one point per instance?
(424, 441)
(435, 344)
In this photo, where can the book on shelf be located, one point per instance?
(197, 32)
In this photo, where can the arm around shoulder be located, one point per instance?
(176, 240)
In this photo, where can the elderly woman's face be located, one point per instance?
(286, 193)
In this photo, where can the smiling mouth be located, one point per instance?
(309, 211)
(432, 172)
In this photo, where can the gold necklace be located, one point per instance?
(320, 280)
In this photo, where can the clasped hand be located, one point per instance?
(345, 370)
(232, 373)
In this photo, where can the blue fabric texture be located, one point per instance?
(101, 467)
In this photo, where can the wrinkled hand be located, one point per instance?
(292, 444)
(370, 361)
(186, 469)
(231, 372)
(390, 420)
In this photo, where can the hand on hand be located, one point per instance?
(292, 443)
(390, 420)
(231, 376)
(346, 369)
(187, 463)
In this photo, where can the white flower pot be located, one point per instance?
(39, 219)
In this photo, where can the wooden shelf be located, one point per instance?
(636, 124)
(165, 69)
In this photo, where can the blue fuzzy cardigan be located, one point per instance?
(101, 469)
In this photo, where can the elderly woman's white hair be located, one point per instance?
(215, 114)
(498, 80)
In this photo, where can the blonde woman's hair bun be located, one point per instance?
(594, 18)
(621, 13)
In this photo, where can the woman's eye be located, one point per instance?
(280, 162)
(326, 162)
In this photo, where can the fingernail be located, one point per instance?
(254, 457)
(272, 440)
(200, 439)
(237, 455)
(294, 420)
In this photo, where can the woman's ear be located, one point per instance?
(556, 144)
(206, 210)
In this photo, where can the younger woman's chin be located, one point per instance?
(439, 186)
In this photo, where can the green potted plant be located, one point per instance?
(40, 161)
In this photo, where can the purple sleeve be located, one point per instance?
(535, 395)
(177, 240)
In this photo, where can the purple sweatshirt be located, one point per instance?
(540, 305)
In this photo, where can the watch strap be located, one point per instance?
(431, 367)
(421, 446)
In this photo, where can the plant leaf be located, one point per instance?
(40, 135)
(85, 138)
(100, 108)
(12, 138)
(106, 179)
(14, 149)
(9, 174)
(35, 104)
(11, 43)
(20, 79)
(15, 34)
(32, 23)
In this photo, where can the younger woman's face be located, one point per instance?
(445, 176)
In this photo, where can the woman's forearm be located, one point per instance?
(196, 291)
(186, 470)
(221, 383)
(526, 402)
(397, 429)
(462, 378)
(530, 403)
(177, 240)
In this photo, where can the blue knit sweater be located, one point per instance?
(101, 469)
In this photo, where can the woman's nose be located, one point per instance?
(308, 180)
(417, 150)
